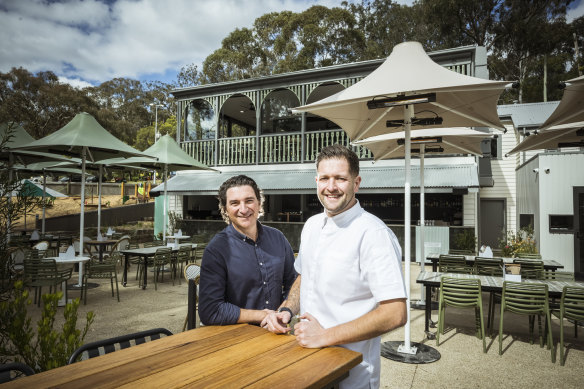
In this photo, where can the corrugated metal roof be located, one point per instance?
(528, 115)
(374, 179)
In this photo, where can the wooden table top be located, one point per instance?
(213, 356)
(547, 263)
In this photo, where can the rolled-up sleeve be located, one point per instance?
(213, 307)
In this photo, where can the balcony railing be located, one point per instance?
(272, 149)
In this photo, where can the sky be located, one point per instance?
(87, 42)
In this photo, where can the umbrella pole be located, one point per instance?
(397, 351)
(44, 202)
(421, 304)
(164, 208)
(82, 214)
(99, 201)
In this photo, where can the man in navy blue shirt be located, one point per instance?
(248, 268)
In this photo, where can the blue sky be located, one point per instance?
(90, 41)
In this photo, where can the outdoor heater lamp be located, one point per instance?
(436, 139)
(415, 122)
(401, 100)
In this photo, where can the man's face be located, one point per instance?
(336, 187)
(242, 207)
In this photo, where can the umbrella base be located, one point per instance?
(422, 305)
(425, 353)
(90, 285)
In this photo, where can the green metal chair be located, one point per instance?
(461, 293)
(527, 299)
(198, 256)
(453, 264)
(162, 258)
(571, 308)
(44, 272)
(180, 258)
(529, 255)
(558, 275)
(530, 269)
(490, 267)
(106, 269)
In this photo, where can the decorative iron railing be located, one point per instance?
(272, 149)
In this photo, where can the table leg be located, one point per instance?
(428, 313)
(434, 265)
(145, 272)
(125, 276)
(80, 279)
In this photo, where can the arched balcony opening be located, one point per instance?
(237, 130)
(281, 140)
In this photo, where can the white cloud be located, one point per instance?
(89, 40)
(576, 10)
(74, 82)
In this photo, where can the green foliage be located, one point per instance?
(465, 240)
(174, 220)
(145, 136)
(520, 242)
(48, 348)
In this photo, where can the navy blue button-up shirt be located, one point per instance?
(237, 272)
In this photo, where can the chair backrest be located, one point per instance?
(198, 257)
(453, 264)
(184, 253)
(14, 370)
(106, 346)
(525, 298)
(530, 269)
(192, 272)
(40, 272)
(572, 305)
(461, 252)
(489, 266)
(121, 244)
(460, 292)
(529, 255)
(558, 275)
(163, 254)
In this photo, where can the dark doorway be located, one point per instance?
(579, 232)
(492, 222)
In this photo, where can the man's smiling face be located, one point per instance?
(336, 187)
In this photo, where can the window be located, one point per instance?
(526, 221)
(201, 122)
(561, 223)
(276, 115)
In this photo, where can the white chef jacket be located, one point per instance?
(349, 263)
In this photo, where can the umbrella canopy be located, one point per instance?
(18, 137)
(436, 140)
(84, 137)
(30, 189)
(565, 135)
(170, 156)
(410, 91)
(571, 107)
(410, 75)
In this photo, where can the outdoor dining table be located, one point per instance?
(488, 284)
(177, 237)
(548, 264)
(232, 356)
(101, 245)
(146, 253)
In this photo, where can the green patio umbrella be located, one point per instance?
(30, 189)
(171, 157)
(85, 138)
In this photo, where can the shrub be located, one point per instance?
(521, 242)
(465, 240)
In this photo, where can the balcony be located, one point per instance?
(268, 149)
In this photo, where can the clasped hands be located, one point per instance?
(309, 333)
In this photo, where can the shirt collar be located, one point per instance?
(238, 235)
(344, 218)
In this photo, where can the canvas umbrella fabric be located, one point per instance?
(436, 141)
(410, 91)
(83, 137)
(170, 157)
(31, 189)
(571, 107)
(557, 137)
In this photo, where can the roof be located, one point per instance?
(459, 172)
(527, 115)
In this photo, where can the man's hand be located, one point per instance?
(309, 333)
(276, 322)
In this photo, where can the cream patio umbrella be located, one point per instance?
(571, 107)
(384, 102)
(556, 137)
(436, 141)
(85, 138)
(170, 157)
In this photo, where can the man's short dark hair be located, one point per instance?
(232, 182)
(340, 152)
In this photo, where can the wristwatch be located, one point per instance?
(282, 309)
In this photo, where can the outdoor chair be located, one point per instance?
(16, 264)
(106, 346)
(135, 259)
(122, 244)
(453, 264)
(558, 275)
(86, 248)
(43, 272)
(571, 308)
(461, 293)
(192, 272)
(162, 258)
(180, 258)
(530, 269)
(527, 299)
(14, 370)
(43, 246)
(106, 269)
(529, 255)
(199, 250)
(490, 267)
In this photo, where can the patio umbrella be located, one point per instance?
(556, 137)
(171, 157)
(435, 140)
(384, 102)
(571, 107)
(30, 189)
(83, 137)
